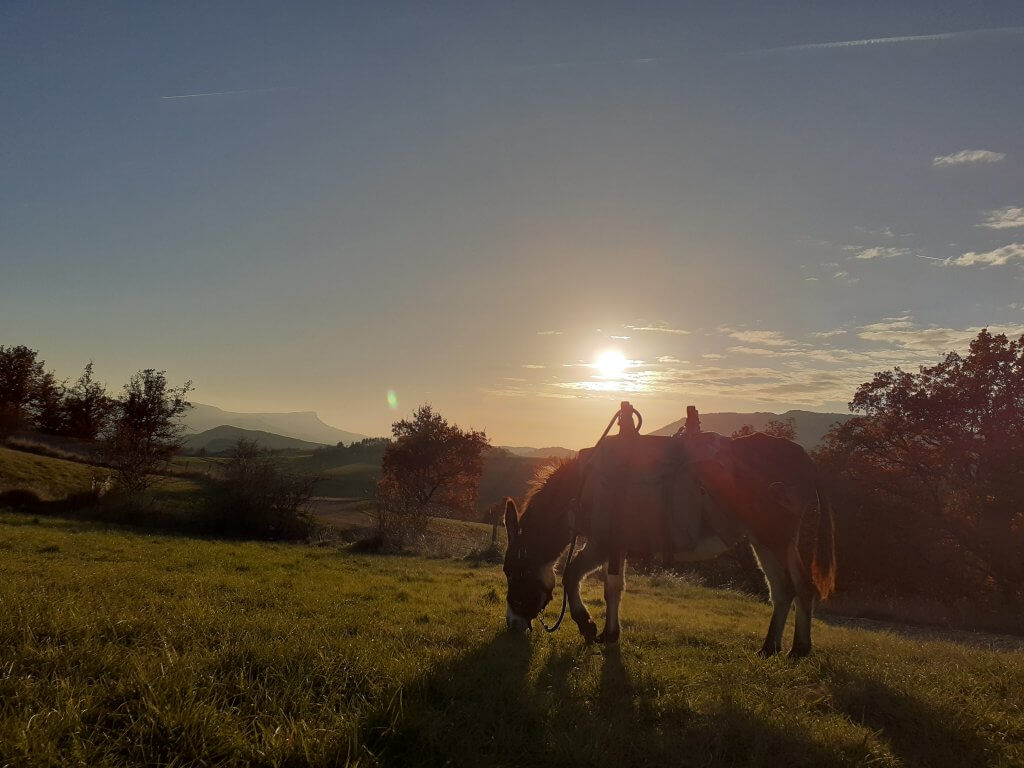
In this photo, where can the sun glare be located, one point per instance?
(610, 363)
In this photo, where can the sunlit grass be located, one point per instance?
(120, 648)
(50, 478)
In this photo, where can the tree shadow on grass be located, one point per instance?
(490, 708)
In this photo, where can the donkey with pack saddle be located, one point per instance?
(689, 497)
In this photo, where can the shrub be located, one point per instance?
(19, 498)
(256, 497)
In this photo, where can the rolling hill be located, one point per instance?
(810, 426)
(224, 437)
(301, 425)
(551, 452)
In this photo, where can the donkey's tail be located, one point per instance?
(823, 566)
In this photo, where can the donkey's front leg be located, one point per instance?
(614, 584)
(588, 559)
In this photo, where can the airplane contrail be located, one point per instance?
(872, 41)
(228, 93)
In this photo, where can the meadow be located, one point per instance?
(126, 648)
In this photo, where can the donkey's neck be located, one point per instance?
(548, 529)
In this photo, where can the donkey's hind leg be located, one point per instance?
(806, 594)
(780, 585)
(587, 560)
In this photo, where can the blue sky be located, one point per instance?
(468, 203)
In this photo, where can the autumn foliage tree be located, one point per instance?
(430, 469)
(929, 477)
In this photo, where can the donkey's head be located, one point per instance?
(531, 580)
(535, 540)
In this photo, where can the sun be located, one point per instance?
(610, 363)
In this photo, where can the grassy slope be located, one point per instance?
(118, 648)
(53, 479)
(50, 478)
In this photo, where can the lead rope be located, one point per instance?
(565, 593)
(572, 544)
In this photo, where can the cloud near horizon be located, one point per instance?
(658, 328)
(784, 371)
(967, 156)
(1007, 254)
(1003, 218)
(881, 252)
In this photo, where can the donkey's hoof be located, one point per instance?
(608, 637)
(589, 631)
(768, 650)
(799, 651)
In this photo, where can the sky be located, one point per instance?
(520, 213)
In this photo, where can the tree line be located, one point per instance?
(928, 479)
(138, 430)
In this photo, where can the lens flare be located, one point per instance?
(392, 400)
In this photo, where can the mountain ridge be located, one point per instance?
(300, 425)
(224, 436)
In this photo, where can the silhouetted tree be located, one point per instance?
(929, 476)
(87, 407)
(431, 468)
(145, 431)
(20, 372)
(47, 404)
(775, 428)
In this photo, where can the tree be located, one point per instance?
(87, 407)
(20, 371)
(47, 404)
(145, 431)
(930, 477)
(775, 428)
(431, 468)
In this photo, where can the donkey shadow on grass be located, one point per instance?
(489, 708)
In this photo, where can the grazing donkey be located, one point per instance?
(690, 497)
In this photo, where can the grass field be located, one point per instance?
(119, 648)
(50, 478)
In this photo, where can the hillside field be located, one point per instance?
(120, 648)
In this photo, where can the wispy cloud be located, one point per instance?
(227, 93)
(880, 252)
(876, 41)
(1014, 252)
(658, 328)
(767, 338)
(843, 276)
(965, 156)
(549, 333)
(1004, 218)
(931, 340)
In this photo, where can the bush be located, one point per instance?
(256, 497)
(401, 519)
(19, 498)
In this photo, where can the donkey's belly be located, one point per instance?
(705, 548)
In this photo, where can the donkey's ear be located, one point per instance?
(511, 520)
